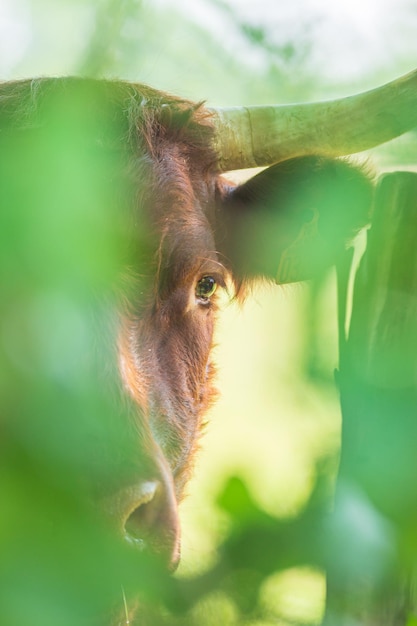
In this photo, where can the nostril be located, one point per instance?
(153, 523)
(139, 521)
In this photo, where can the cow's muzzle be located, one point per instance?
(146, 515)
(151, 521)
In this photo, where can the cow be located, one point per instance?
(193, 233)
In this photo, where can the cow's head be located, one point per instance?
(194, 234)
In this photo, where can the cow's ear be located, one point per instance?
(292, 220)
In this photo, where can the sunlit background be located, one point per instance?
(182, 45)
(278, 412)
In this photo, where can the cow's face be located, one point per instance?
(204, 234)
(189, 231)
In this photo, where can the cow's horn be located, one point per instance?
(261, 135)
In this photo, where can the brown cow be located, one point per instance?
(193, 233)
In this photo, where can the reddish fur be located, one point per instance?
(165, 334)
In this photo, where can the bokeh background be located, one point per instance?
(278, 415)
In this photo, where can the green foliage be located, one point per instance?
(60, 253)
(256, 547)
(63, 241)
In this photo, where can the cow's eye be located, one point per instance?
(205, 287)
